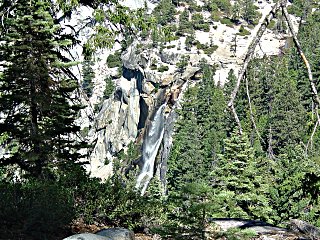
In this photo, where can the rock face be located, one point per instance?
(87, 236)
(117, 233)
(149, 75)
(116, 126)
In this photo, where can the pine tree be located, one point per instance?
(238, 185)
(88, 76)
(196, 145)
(36, 92)
(295, 190)
(249, 13)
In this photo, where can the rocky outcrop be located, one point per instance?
(87, 236)
(116, 233)
(264, 230)
(303, 227)
(115, 127)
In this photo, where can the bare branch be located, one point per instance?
(248, 57)
(315, 97)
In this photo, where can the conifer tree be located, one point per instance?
(295, 192)
(238, 185)
(88, 76)
(36, 91)
(196, 145)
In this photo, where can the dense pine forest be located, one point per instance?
(254, 157)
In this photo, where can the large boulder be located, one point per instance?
(116, 233)
(87, 236)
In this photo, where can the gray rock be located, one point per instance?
(87, 236)
(189, 72)
(167, 79)
(146, 106)
(306, 228)
(169, 57)
(148, 87)
(130, 59)
(117, 233)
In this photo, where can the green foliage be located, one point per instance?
(163, 68)
(199, 23)
(34, 78)
(227, 21)
(185, 26)
(196, 145)
(37, 210)
(239, 189)
(114, 60)
(190, 41)
(237, 234)
(243, 31)
(218, 5)
(109, 88)
(249, 12)
(88, 76)
(280, 120)
(164, 12)
(296, 189)
(206, 48)
(302, 8)
(183, 63)
(272, 25)
(189, 211)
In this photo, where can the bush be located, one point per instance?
(163, 68)
(227, 21)
(109, 89)
(207, 49)
(36, 210)
(272, 25)
(164, 12)
(114, 60)
(243, 31)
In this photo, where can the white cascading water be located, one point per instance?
(150, 147)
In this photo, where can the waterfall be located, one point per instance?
(150, 147)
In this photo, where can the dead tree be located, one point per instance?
(315, 96)
(247, 59)
(281, 4)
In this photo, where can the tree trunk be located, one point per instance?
(248, 57)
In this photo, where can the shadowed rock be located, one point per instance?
(116, 234)
(301, 226)
(87, 236)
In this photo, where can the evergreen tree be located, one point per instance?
(88, 76)
(295, 190)
(249, 13)
(196, 145)
(185, 26)
(309, 40)
(35, 101)
(275, 102)
(238, 185)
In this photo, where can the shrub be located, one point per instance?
(114, 60)
(109, 89)
(226, 21)
(207, 49)
(163, 68)
(36, 210)
(164, 12)
(243, 31)
(272, 25)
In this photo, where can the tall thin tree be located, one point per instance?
(37, 113)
